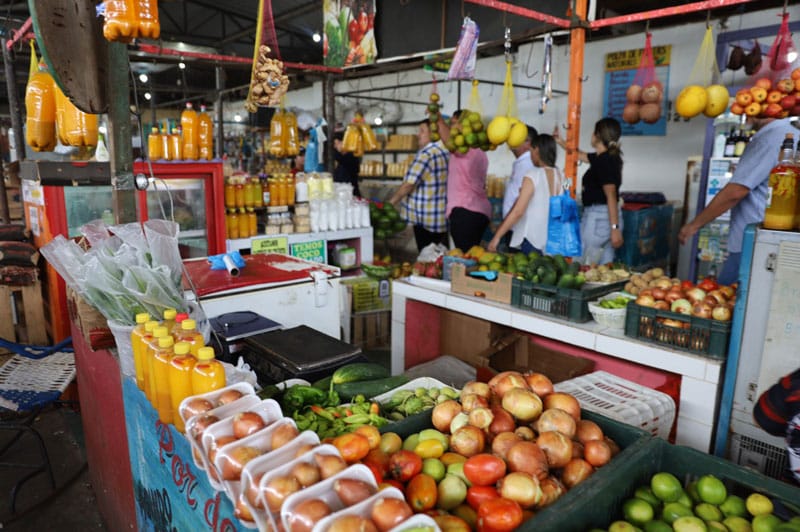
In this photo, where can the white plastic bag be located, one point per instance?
(465, 58)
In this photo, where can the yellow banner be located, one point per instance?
(628, 59)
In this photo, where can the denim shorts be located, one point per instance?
(596, 235)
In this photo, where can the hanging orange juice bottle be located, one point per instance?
(169, 319)
(147, 15)
(205, 138)
(208, 373)
(232, 221)
(180, 380)
(162, 356)
(158, 333)
(40, 109)
(154, 148)
(144, 352)
(175, 153)
(190, 146)
(191, 335)
(120, 22)
(244, 224)
(136, 344)
(74, 127)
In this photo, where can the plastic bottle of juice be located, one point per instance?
(144, 353)
(169, 320)
(191, 335)
(233, 224)
(120, 24)
(252, 221)
(180, 380)
(244, 224)
(249, 200)
(258, 192)
(208, 373)
(239, 193)
(274, 197)
(230, 194)
(161, 361)
(136, 344)
(40, 109)
(175, 153)
(191, 133)
(154, 148)
(147, 15)
(205, 139)
(179, 317)
(165, 151)
(158, 333)
(74, 127)
(784, 190)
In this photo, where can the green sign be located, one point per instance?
(270, 245)
(313, 251)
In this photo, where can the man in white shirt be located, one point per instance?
(522, 165)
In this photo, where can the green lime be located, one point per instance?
(711, 489)
(689, 523)
(637, 511)
(621, 526)
(645, 493)
(666, 486)
(657, 526)
(736, 523)
(691, 489)
(733, 506)
(685, 500)
(708, 512)
(435, 468)
(765, 523)
(758, 504)
(715, 526)
(674, 510)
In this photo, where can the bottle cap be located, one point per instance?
(188, 324)
(165, 341)
(169, 314)
(182, 348)
(188, 105)
(180, 316)
(142, 317)
(160, 331)
(205, 353)
(149, 326)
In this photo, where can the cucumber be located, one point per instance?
(359, 371)
(324, 383)
(368, 389)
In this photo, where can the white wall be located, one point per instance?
(652, 163)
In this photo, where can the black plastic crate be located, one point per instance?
(700, 336)
(566, 303)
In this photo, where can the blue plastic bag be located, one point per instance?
(563, 227)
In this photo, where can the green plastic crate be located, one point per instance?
(566, 303)
(701, 336)
(597, 502)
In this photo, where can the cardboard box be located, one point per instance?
(14, 199)
(515, 352)
(371, 330)
(91, 323)
(467, 338)
(498, 290)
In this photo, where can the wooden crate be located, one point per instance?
(22, 314)
(371, 330)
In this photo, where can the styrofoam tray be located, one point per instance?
(236, 495)
(420, 382)
(244, 387)
(416, 521)
(364, 508)
(623, 400)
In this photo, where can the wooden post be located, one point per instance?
(329, 113)
(119, 134)
(577, 41)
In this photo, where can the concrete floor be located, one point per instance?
(72, 505)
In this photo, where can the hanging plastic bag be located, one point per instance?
(704, 93)
(465, 58)
(368, 136)
(291, 146)
(352, 142)
(563, 226)
(781, 51)
(74, 127)
(645, 96)
(276, 127)
(40, 109)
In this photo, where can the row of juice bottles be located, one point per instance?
(241, 223)
(247, 192)
(172, 363)
(192, 141)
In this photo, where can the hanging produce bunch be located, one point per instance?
(506, 127)
(645, 97)
(268, 83)
(283, 138)
(766, 99)
(359, 137)
(125, 20)
(468, 133)
(704, 93)
(434, 114)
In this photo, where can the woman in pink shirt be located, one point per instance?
(468, 208)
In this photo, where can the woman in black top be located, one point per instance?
(347, 165)
(601, 222)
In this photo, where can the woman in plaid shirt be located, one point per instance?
(423, 194)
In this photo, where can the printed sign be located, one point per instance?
(278, 244)
(620, 72)
(170, 492)
(349, 33)
(313, 251)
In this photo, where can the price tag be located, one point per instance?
(270, 245)
(313, 251)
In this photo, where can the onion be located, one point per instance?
(552, 489)
(558, 420)
(307, 513)
(556, 446)
(634, 93)
(565, 402)
(229, 396)
(246, 423)
(525, 433)
(471, 401)
(196, 406)
(507, 380)
(467, 441)
(460, 420)
(443, 415)
(277, 489)
(631, 112)
(478, 388)
(588, 430)
(201, 423)
(252, 491)
(481, 417)
(520, 487)
(527, 457)
(502, 422)
(596, 452)
(234, 461)
(283, 434)
(612, 445)
(577, 449)
(523, 404)
(650, 113)
(241, 511)
(503, 442)
(576, 471)
(539, 383)
(329, 464)
(306, 473)
(303, 449)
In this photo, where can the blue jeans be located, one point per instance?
(596, 235)
(730, 269)
(526, 247)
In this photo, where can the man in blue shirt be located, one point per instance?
(746, 193)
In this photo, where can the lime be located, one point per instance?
(466, 129)
(621, 526)
(711, 490)
(459, 140)
(685, 500)
(733, 506)
(765, 523)
(758, 504)
(674, 510)
(736, 523)
(645, 493)
(434, 467)
(471, 138)
(411, 442)
(708, 512)
(666, 486)
(689, 523)
(691, 489)
(716, 526)
(637, 511)
(657, 526)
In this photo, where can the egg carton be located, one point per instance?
(623, 400)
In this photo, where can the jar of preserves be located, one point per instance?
(230, 194)
(784, 189)
(249, 200)
(244, 224)
(233, 224)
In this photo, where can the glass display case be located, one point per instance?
(182, 200)
(84, 204)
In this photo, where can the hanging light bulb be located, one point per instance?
(143, 77)
(316, 37)
(237, 117)
(378, 120)
(148, 96)
(182, 65)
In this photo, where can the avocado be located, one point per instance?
(567, 281)
(549, 277)
(574, 267)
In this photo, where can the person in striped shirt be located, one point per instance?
(423, 194)
(778, 412)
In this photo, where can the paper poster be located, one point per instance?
(349, 32)
(620, 69)
(270, 245)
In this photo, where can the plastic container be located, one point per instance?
(154, 147)
(447, 265)
(613, 318)
(161, 362)
(205, 135)
(136, 345)
(179, 376)
(623, 400)
(566, 303)
(701, 336)
(149, 26)
(40, 110)
(175, 148)
(363, 509)
(190, 132)
(150, 353)
(167, 154)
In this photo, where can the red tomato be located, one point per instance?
(686, 285)
(404, 464)
(708, 284)
(375, 472)
(421, 493)
(484, 469)
(499, 515)
(479, 494)
(377, 459)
